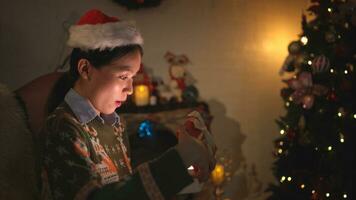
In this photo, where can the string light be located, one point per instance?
(339, 114)
(329, 9)
(331, 70)
(289, 178)
(313, 191)
(310, 62)
(283, 178)
(304, 40)
(327, 194)
(280, 151)
(287, 104)
(302, 186)
(330, 148)
(281, 143)
(354, 116)
(290, 98)
(345, 196)
(282, 132)
(342, 140)
(346, 72)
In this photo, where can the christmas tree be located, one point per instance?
(315, 149)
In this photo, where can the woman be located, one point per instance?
(85, 153)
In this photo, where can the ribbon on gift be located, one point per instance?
(304, 90)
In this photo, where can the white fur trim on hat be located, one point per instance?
(104, 36)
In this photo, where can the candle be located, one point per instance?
(141, 95)
(218, 174)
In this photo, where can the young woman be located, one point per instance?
(85, 154)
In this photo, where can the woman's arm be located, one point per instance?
(71, 175)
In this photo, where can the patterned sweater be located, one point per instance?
(85, 156)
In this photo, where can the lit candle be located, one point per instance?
(218, 174)
(141, 95)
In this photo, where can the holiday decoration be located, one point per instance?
(218, 174)
(196, 126)
(315, 148)
(320, 64)
(95, 30)
(145, 129)
(136, 4)
(304, 90)
(330, 37)
(181, 86)
(141, 95)
(294, 47)
(288, 65)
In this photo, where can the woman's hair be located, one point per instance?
(97, 58)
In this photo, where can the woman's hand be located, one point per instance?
(195, 153)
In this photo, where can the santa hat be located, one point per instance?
(95, 30)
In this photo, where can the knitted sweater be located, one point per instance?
(86, 156)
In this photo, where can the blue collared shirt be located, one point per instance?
(85, 112)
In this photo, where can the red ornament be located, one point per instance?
(314, 196)
(285, 93)
(291, 134)
(332, 96)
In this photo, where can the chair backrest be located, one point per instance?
(34, 95)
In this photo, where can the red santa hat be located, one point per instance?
(95, 30)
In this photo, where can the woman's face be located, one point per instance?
(110, 85)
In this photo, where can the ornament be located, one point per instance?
(286, 92)
(350, 67)
(332, 95)
(294, 47)
(177, 73)
(145, 129)
(304, 90)
(315, 196)
(330, 37)
(300, 59)
(308, 101)
(190, 94)
(288, 65)
(320, 64)
(291, 134)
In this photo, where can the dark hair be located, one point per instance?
(97, 58)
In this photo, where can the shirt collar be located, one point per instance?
(84, 111)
